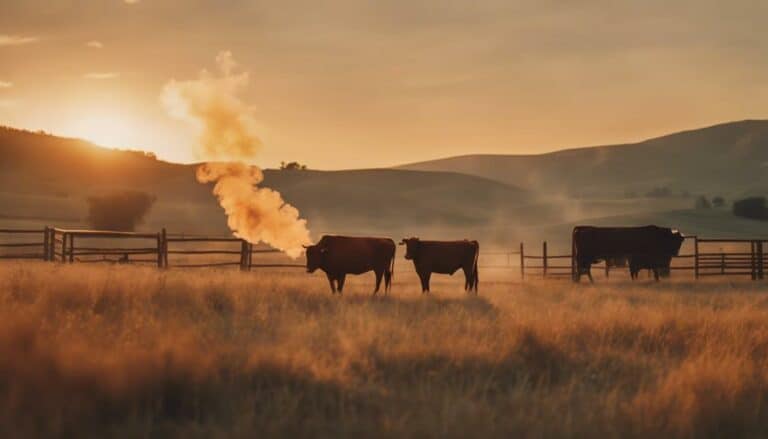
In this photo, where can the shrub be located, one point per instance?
(752, 208)
(119, 211)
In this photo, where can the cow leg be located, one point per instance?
(331, 281)
(424, 282)
(427, 276)
(589, 274)
(387, 281)
(340, 280)
(656, 274)
(379, 274)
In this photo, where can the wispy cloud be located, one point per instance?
(101, 75)
(95, 44)
(6, 84)
(16, 40)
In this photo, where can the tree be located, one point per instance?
(292, 166)
(121, 211)
(718, 201)
(702, 203)
(752, 208)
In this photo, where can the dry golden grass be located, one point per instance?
(121, 351)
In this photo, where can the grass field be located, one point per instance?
(122, 351)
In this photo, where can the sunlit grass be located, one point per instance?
(136, 352)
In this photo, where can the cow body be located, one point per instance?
(339, 256)
(648, 247)
(444, 257)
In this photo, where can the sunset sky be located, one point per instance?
(346, 84)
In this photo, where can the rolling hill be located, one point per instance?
(47, 179)
(730, 159)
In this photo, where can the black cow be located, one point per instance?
(444, 257)
(339, 256)
(648, 246)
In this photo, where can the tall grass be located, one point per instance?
(124, 351)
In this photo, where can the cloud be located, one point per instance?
(6, 84)
(16, 40)
(101, 75)
(95, 44)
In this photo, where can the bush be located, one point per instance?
(119, 211)
(752, 208)
(718, 201)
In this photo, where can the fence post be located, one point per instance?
(522, 262)
(164, 240)
(722, 263)
(45, 243)
(753, 259)
(159, 250)
(544, 258)
(71, 248)
(574, 268)
(63, 248)
(760, 260)
(696, 257)
(607, 268)
(243, 255)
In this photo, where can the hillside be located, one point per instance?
(729, 159)
(46, 179)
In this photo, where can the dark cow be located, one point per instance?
(648, 246)
(339, 256)
(443, 257)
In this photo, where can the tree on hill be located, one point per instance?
(292, 166)
(752, 208)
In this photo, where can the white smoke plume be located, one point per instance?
(228, 140)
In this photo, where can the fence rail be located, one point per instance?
(746, 257)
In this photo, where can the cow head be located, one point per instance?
(315, 255)
(411, 247)
(676, 242)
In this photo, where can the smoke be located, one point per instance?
(227, 139)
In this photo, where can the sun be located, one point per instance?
(109, 129)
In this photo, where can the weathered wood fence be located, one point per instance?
(732, 257)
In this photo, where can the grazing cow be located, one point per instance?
(648, 246)
(443, 257)
(339, 256)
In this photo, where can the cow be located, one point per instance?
(339, 256)
(443, 257)
(649, 246)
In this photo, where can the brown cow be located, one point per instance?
(339, 256)
(443, 257)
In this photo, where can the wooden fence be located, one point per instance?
(733, 257)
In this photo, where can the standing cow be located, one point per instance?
(645, 247)
(339, 256)
(443, 257)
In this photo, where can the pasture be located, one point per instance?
(128, 351)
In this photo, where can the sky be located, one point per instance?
(349, 84)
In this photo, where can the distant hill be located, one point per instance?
(729, 159)
(46, 178)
